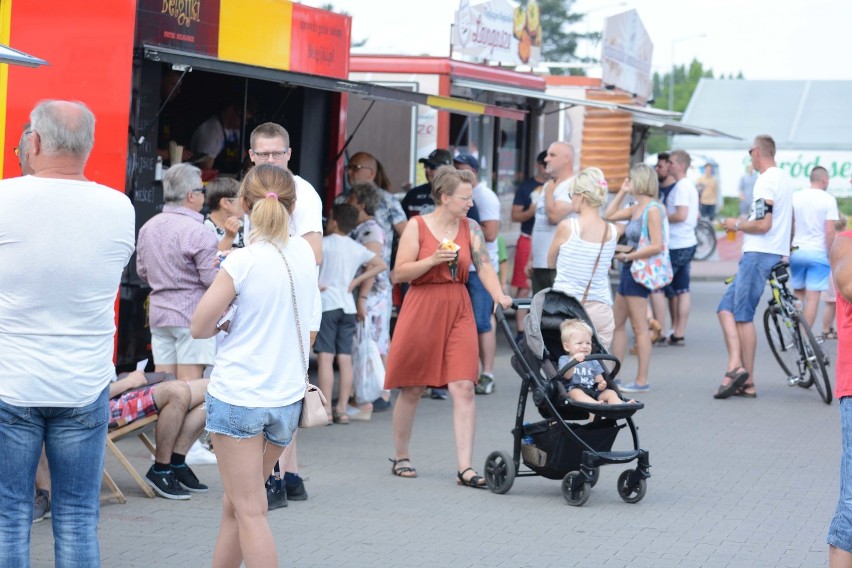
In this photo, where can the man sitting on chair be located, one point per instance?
(181, 420)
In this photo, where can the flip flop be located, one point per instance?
(742, 391)
(738, 378)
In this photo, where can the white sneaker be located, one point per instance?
(199, 455)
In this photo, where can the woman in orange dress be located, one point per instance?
(435, 341)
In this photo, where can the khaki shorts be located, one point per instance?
(603, 321)
(175, 346)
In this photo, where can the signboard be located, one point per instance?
(498, 31)
(268, 33)
(626, 55)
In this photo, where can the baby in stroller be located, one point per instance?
(584, 382)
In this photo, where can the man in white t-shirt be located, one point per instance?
(64, 243)
(488, 205)
(766, 239)
(270, 144)
(682, 209)
(814, 214)
(554, 205)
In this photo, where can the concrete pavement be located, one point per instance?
(735, 483)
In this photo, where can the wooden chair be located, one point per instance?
(116, 434)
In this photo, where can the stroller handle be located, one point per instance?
(517, 303)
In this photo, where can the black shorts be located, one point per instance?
(336, 333)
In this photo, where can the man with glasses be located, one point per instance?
(176, 256)
(418, 201)
(57, 324)
(270, 144)
(364, 168)
(766, 238)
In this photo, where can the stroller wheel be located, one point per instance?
(576, 497)
(499, 472)
(631, 492)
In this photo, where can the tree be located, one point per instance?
(685, 81)
(558, 43)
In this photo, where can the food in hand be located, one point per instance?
(449, 245)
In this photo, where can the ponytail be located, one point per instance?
(269, 192)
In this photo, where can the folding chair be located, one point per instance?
(116, 434)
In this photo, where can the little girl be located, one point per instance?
(584, 382)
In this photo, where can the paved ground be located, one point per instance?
(735, 483)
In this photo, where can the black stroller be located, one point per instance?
(555, 448)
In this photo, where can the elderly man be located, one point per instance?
(177, 257)
(682, 209)
(554, 204)
(58, 346)
(814, 213)
(766, 238)
(270, 144)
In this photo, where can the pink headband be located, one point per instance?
(272, 195)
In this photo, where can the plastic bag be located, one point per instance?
(367, 365)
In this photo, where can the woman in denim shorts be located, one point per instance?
(631, 299)
(258, 382)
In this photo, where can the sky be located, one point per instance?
(765, 39)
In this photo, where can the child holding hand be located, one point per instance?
(584, 382)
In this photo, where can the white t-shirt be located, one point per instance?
(63, 247)
(772, 185)
(488, 205)
(341, 259)
(209, 138)
(812, 207)
(543, 230)
(682, 234)
(259, 363)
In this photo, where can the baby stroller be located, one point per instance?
(554, 447)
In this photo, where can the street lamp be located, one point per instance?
(671, 76)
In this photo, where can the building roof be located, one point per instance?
(799, 115)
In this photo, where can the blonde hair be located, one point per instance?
(269, 193)
(591, 184)
(446, 181)
(571, 326)
(644, 180)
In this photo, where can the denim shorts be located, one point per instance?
(627, 286)
(840, 530)
(809, 270)
(681, 263)
(336, 333)
(743, 294)
(482, 303)
(276, 423)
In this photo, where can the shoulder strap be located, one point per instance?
(595, 267)
(295, 313)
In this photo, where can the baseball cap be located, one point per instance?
(467, 159)
(437, 158)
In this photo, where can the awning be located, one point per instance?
(674, 127)
(362, 89)
(531, 93)
(15, 57)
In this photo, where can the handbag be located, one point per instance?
(655, 271)
(367, 365)
(313, 404)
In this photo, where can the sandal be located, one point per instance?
(655, 329)
(339, 417)
(402, 471)
(475, 481)
(830, 334)
(743, 392)
(675, 340)
(738, 378)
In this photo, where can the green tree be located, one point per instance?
(558, 42)
(685, 81)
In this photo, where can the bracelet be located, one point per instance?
(737, 225)
(363, 297)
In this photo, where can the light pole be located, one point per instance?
(672, 74)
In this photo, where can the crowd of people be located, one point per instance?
(250, 288)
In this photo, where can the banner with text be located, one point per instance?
(626, 55)
(498, 31)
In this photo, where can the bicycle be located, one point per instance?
(706, 235)
(790, 338)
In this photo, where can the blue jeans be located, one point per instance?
(481, 301)
(840, 530)
(276, 423)
(743, 294)
(75, 441)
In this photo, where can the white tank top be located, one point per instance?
(575, 262)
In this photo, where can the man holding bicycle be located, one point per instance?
(766, 238)
(840, 531)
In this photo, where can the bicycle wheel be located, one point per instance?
(815, 362)
(782, 343)
(706, 235)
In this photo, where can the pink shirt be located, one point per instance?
(844, 343)
(175, 255)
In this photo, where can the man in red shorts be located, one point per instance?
(181, 420)
(840, 531)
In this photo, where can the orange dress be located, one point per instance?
(435, 342)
